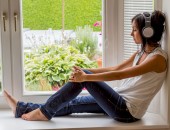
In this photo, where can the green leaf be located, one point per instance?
(51, 67)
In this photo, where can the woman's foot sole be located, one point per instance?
(12, 102)
(35, 115)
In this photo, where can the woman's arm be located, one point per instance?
(123, 65)
(156, 63)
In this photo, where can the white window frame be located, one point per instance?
(5, 51)
(17, 62)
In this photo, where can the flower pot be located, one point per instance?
(55, 87)
(99, 62)
(44, 85)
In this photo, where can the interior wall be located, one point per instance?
(165, 92)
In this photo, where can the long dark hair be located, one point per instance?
(157, 23)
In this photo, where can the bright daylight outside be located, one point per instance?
(59, 34)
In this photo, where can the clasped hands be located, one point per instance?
(78, 75)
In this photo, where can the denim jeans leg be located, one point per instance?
(81, 104)
(23, 108)
(60, 99)
(109, 100)
(105, 96)
(65, 102)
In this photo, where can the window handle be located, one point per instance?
(15, 21)
(4, 17)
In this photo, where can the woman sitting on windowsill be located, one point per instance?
(143, 73)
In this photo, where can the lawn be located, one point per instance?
(44, 14)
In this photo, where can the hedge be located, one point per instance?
(44, 14)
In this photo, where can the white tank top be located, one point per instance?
(140, 90)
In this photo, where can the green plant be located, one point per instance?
(86, 41)
(52, 64)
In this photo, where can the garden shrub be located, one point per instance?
(52, 64)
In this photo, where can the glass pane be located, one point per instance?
(58, 34)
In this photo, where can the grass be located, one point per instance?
(44, 14)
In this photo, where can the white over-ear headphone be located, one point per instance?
(147, 31)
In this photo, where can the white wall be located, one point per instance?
(165, 98)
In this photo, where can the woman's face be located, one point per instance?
(136, 34)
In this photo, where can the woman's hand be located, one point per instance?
(78, 75)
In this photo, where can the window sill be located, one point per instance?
(82, 121)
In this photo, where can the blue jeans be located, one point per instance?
(102, 99)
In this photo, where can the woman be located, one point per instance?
(143, 74)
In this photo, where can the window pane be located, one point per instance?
(58, 34)
(131, 8)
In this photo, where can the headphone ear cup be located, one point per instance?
(148, 32)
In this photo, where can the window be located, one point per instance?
(49, 47)
(25, 29)
(131, 8)
(56, 36)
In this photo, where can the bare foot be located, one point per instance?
(12, 102)
(35, 115)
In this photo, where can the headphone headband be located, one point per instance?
(147, 31)
(147, 20)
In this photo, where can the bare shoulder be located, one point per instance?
(159, 63)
